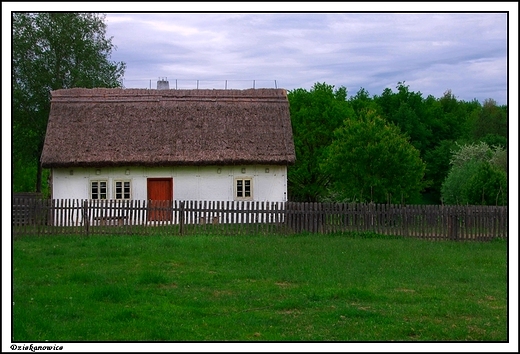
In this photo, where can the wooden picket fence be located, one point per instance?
(89, 217)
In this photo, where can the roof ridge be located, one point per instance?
(262, 92)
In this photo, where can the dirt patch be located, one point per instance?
(219, 293)
(168, 286)
(283, 284)
(405, 290)
(289, 312)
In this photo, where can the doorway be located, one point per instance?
(160, 197)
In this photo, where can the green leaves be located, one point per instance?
(491, 119)
(488, 186)
(315, 114)
(53, 51)
(478, 176)
(372, 148)
(371, 160)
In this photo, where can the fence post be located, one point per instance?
(181, 218)
(453, 226)
(288, 217)
(86, 218)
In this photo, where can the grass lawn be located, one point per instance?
(351, 287)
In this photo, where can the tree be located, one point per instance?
(475, 183)
(361, 101)
(54, 51)
(406, 109)
(494, 140)
(454, 116)
(372, 160)
(478, 176)
(315, 114)
(437, 167)
(468, 152)
(490, 120)
(488, 186)
(499, 158)
(454, 188)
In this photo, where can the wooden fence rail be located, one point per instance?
(88, 217)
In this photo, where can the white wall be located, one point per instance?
(189, 183)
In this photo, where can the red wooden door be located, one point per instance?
(160, 197)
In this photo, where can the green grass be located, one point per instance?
(352, 287)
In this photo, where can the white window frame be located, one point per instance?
(98, 182)
(237, 190)
(123, 181)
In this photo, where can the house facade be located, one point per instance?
(138, 144)
(205, 183)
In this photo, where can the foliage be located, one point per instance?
(488, 186)
(467, 152)
(433, 126)
(371, 160)
(454, 189)
(480, 151)
(499, 159)
(494, 140)
(455, 117)
(53, 51)
(362, 102)
(406, 110)
(23, 178)
(438, 165)
(491, 119)
(478, 176)
(315, 114)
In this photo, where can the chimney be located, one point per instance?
(163, 84)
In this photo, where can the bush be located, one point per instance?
(475, 183)
(488, 186)
(478, 176)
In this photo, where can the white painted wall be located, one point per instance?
(189, 182)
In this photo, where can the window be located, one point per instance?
(243, 189)
(98, 189)
(122, 189)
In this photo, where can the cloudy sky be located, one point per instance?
(430, 52)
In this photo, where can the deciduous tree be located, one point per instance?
(53, 51)
(478, 176)
(491, 119)
(370, 159)
(406, 109)
(315, 114)
(437, 167)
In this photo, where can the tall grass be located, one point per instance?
(350, 287)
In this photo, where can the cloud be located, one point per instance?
(431, 51)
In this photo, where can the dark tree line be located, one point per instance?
(397, 147)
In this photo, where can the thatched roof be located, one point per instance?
(121, 127)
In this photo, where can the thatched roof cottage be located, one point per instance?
(194, 144)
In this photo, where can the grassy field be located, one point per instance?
(352, 287)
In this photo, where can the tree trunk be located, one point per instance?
(39, 178)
